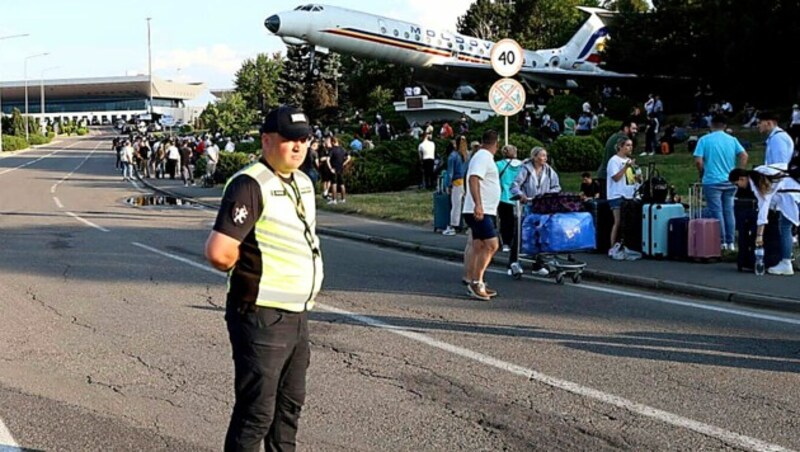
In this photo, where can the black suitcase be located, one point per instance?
(630, 232)
(678, 238)
(603, 222)
(746, 213)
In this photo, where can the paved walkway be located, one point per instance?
(720, 281)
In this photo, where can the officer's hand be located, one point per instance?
(759, 241)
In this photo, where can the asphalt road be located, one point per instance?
(112, 338)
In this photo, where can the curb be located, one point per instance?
(740, 298)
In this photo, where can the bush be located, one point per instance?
(524, 144)
(559, 106)
(249, 148)
(619, 107)
(186, 129)
(82, 131)
(390, 166)
(605, 129)
(12, 143)
(573, 154)
(36, 139)
(51, 134)
(230, 163)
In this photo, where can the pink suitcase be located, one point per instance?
(704, 233)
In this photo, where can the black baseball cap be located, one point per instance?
(287, 121)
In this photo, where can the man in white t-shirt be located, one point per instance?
(480, 211)
(212, 156)
(427, 154)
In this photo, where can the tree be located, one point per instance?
(292, 84)
(230, 116)
(257, 81)
(544, 24)
(627, 6)
(359, 76)
(17, 123)
(486, 19)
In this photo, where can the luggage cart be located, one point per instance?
(558, 265)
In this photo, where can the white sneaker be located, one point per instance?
(332, 201)
(614, 250)
(731, 247)
(631, 255)
(643, 154)
(783, 268)
(541, 272)
(343, 201)
(506, 249)
(724, 247)
(449, 231)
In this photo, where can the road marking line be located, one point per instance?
(55, 186)
(181, 259)
(593, 287)
(87, 222)
(7, 443)
(58, 202)
(8, 170)
(726, 436)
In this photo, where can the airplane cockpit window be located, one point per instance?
(317, 8)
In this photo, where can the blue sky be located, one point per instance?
(191, 40)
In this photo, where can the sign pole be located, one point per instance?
(506, 121)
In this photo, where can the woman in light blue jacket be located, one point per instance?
(535, 177)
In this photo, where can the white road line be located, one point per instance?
(55, 186)
(726, 436)
(8, 170)
(596, 288)
(87, 222)
(58, 202)
(7, 443)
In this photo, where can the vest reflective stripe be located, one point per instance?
(291, 273)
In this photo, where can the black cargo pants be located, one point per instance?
(271, 354)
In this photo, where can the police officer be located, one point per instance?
(264, 238)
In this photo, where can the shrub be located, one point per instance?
(605, 129)
(51, 134)
(12, 143)
(186, 129)
(559, 106)
(390, 166)
(231, 162)
(572, 154)
(82, 131)
(524, 144)
(619, 107)
(36, 139)
(249, 148)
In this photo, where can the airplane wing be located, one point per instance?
(569, 78)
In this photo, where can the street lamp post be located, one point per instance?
(1, 89)
(27, 133)
(41, 96)
(150, 69)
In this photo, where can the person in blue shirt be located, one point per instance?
(356, 146)
(507, 168)
(456, 171)
(780, 146)
(716, 156)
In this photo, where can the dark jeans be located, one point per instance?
(270, 354)
(505, 213)
(427, 174)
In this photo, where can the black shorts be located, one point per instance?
(325, 173)
(338, 179)
(483, 229)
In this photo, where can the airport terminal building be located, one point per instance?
(102, 100)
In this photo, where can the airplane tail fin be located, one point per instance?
(584, 50)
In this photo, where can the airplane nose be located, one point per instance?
(273, 23)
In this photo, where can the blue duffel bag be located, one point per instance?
(563, 232)
(530, 233)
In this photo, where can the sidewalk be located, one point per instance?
(718, 281)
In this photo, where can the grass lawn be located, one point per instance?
(408, 206)
(416, 206)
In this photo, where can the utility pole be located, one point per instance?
(41, 96)
(27, 133)
(150, 69)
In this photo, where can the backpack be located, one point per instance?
(655, 190)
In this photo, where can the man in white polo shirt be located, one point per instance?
(480, 211)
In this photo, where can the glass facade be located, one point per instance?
(88, 105)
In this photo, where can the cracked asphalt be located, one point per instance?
(105, 345)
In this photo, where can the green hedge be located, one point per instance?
(390, 166)
(605, 129)
(524, 144)
(82, 131)
(572, 154)
(229, 164)
(13, 143)
(37, 139)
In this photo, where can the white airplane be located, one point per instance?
(347, 31)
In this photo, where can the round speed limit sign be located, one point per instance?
(507, 57)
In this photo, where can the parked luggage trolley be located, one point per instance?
(560, 264)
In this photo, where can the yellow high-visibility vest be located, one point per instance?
(291, 261)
